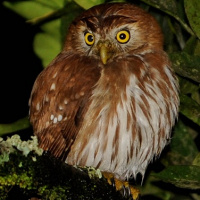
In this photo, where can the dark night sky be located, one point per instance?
(19, 65)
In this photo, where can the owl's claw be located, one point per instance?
(124, 186)
(109, 178)
(127, 191)
(134, 192)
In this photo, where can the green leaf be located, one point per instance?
(183, 149)
(181, 176)
(31, 9)
(165, 5)
(72, 10)
(89, 3)
(190, 88)
(190, 108)
(47, 44)
(15, 126)
(192, 8)
(186, 65)
(46, 47)
(191, 45)
(172, 8)
(150, 188)
(196, 161)
(52, 3)
(187, 86)
(197, 49)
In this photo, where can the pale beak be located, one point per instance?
(104, 51)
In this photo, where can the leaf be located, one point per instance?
(197, 49)
(190, 88)
(181, 176)
(186, 65)
(165, 5)
(190, 108)
(196, 161)
(89, 3)
(190, 45)
(52, 3)
(46, 47)
(149, 188)
(31, 9)
(187, 86)
(47, 44)
(72, 10)
(15, 126)
(192, 8)
(172, 8)
(182, 147)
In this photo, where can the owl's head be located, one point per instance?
(113, 30)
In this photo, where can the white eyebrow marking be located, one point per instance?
(65, 101)
(60, 107)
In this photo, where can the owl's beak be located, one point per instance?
(104, 51)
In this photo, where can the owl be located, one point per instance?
(109, 100)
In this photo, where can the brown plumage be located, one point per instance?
(110, 99)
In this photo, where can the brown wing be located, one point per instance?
(59, 100)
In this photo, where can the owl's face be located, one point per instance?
(106, 35)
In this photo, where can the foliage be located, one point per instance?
(176, 174)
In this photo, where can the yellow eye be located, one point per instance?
(123, 36)
(89, 39)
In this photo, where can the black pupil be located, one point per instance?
(90, 38)
(122, 36)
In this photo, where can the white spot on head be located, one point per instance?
(53, 86)
(65, 101)
(55, 120)
(60, 107)
(65, 119)
(60, 117)
(47, 124)
(82, 93)
(52, 117)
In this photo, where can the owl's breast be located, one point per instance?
(125, 124)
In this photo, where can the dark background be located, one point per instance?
(19, 65)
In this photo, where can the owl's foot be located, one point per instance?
(122, 185)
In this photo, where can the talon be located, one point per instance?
(135, 192)
(128, 190)
(118, 184)
(113, 184)
(109, 177)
